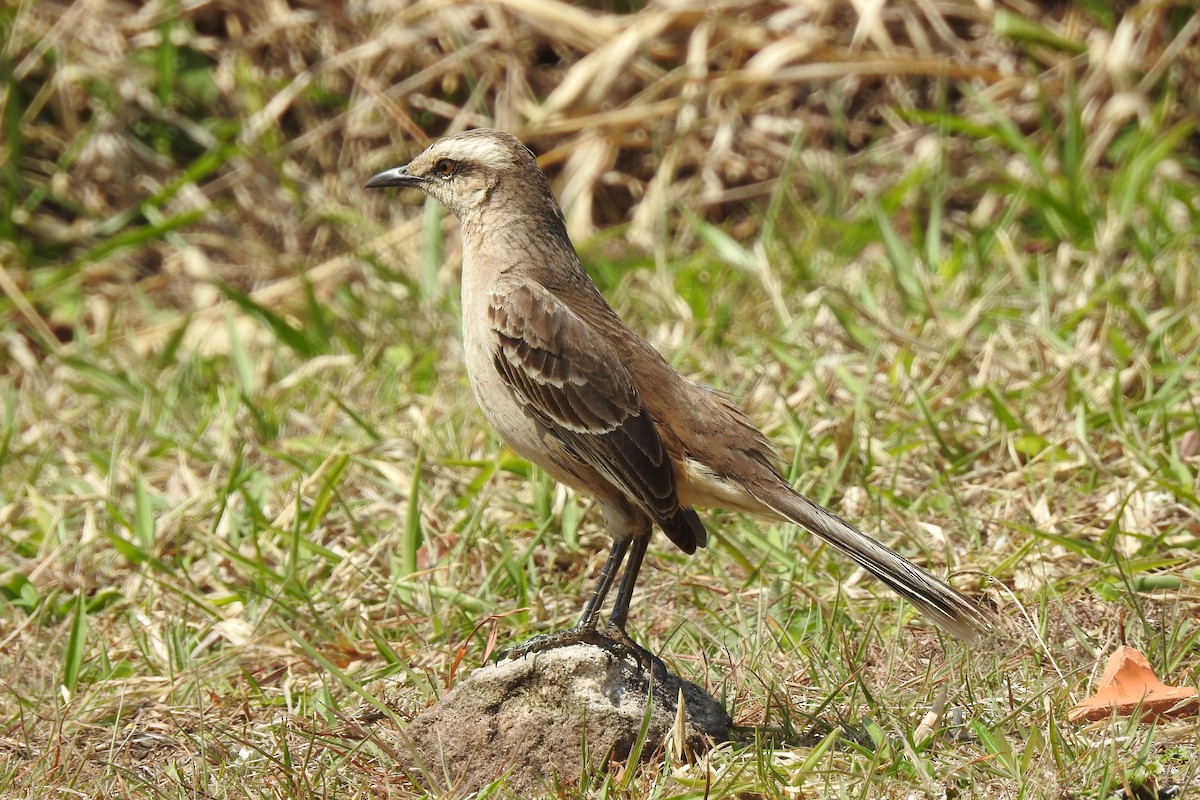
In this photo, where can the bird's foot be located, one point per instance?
(611, 638)
(580, 634)
(645, 659)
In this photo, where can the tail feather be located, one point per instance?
(941, 603)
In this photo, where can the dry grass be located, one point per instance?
(946, 252)
(156, 126)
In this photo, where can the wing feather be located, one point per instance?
(575, 383)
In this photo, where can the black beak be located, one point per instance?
(397, 176)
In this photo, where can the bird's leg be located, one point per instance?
(615, 629)
(591, 611)
(611, 637)
(620, 612)
(587, 629)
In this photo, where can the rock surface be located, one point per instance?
(527, 719)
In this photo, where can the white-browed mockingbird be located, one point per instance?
(575, 391)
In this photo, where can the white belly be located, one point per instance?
(500, 405)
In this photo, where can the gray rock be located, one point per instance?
(528, 719)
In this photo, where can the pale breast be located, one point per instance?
(501, 406)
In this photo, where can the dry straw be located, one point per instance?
(681, 102)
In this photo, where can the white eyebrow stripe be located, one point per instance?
(482, 150)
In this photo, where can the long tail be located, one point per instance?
(938, 601)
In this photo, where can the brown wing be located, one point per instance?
(576, 385)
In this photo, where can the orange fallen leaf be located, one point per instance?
(1129, 685)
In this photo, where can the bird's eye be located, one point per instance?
(445, 168)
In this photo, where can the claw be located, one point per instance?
(612, 638)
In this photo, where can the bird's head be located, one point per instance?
(465, 171)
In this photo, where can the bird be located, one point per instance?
(571, 388)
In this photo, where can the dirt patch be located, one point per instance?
(543, 719)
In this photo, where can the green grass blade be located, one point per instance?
(413, 534)
(76, 644)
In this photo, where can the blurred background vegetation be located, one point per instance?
(154, 151)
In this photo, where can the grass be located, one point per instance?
(248, 503)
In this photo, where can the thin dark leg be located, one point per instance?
(586, 630)
(591, 611)
(620, 612)
(630, 550)
(615, 629)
